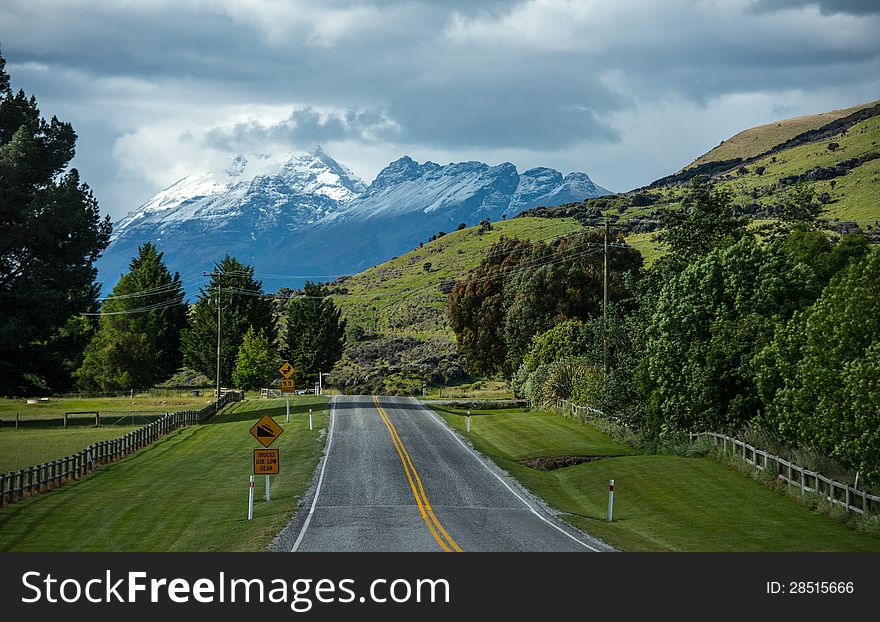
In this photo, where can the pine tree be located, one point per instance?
(244, 306)
(138, 339)
(314, 334)
(257, 362)
(51, 233)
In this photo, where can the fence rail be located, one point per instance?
(838, 493)
(577, 409)
(16, 485)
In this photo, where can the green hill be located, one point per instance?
(398, 333)
(398, 336)
(404, 296)
(757, 140)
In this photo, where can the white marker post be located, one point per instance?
(310, 418)
(251, 499)
(469, 422)
(287, 399)
(610, 499)
(267, 488)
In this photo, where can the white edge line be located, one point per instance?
(498, 477)
(305, 526)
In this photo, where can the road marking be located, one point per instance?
(421, 498)
(305, 526)
(500, 479)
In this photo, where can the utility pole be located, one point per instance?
(605, 280)
(218, 275)
(605, 306)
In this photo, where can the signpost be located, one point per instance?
(287, 384)
(287, 369)
(266, 430)
(266, 461)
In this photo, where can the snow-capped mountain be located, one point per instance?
(306, 214)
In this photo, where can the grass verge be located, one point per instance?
(24, 448)
(662, 502)
(186, 492)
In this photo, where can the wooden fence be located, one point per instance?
(852, 499)
(16, 485)
(576, 409)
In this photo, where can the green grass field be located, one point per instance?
(24, 448)
(186, 492)
(109, 406)
(662, 503)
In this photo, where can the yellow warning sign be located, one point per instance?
(287, 369)
(267, 461)
(287, 385)
(266, 430)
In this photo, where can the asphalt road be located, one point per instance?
(396, 478)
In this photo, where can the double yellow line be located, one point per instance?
(415, 483)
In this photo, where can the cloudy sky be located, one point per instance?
(626, 91)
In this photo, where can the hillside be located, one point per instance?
(402, 297)
(756, 140)
(398, 336)
(837, 154)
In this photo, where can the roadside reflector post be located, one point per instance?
(310, 418)
(251, 498)
(267, 488)
(610, 499)
(287, 399)
(469, 421)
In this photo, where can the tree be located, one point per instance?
(523, 289)
(705, 221)
(314, 333)
(138, 339)
(257, 362)
(51, 233)
(475, 307)
(566, 285)
(709, 324)
(820, 374)
(244, 306)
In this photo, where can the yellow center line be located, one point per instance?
(421, 498)
(421, 488)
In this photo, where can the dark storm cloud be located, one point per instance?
(537, 77)
(827, 7)
(306, 126)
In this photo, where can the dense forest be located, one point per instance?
(772, 328)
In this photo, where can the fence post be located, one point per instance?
(2, 488)
(17, 421)
(97, 419)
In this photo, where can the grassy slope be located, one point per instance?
(24, 448)
(56, 407)
(758, 139)
(400, 297)
(662, 503)
(186, 492)
(855, 196)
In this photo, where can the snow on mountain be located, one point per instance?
(305, 213)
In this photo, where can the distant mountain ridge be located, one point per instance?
(307, 214)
